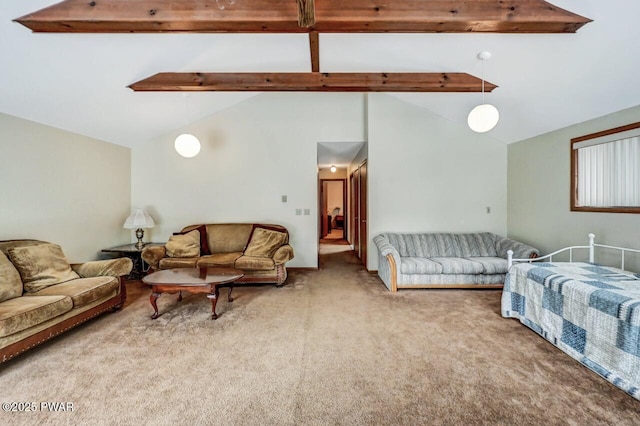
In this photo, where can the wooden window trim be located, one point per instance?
(574, 172)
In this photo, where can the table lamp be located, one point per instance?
(138, 220)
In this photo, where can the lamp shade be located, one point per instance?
(139, 219)
(483, 118)
(187, 145)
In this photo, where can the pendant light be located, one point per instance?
(186, 144)
(484, 117)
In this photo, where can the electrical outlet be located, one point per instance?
(488, 210)
(298, 212)
(284, 198)
(307, 212)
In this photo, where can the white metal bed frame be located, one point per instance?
(591, 247)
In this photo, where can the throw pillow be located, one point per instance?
(41, 266)
(264, 241)
(184, 245)
(10, 282)
(204, 240)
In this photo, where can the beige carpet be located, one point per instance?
(332, 347)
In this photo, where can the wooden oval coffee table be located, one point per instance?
(193, 280)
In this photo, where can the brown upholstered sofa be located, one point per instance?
(260, 251)
(41, 295)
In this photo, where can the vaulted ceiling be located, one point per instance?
(78, 82)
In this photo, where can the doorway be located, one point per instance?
(333, 202)
(336, 162)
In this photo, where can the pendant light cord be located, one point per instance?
(186, 110)
(482, 81)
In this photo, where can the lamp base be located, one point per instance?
(139, 235)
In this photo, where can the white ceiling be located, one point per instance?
(77, 82)
(339, 154)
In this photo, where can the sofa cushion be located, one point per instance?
(83, 290)
(22, 313)
(178, 262)
(10, 282)
(491, 265)
(419, 265)
(41, 265)
(264, 241)
(228, 237)
(226, 260)
(184, 245)
(444, 245)
(480, 244)
(108, 267)
(458, 265)
(255, 263)
(204, 239)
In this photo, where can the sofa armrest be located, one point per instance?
(153, 254)
(385, 247)
(283, 254)
(388, 262)
(110, 267)
(520, 250)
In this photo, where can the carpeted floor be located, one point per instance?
(332, 347)
(335, 237)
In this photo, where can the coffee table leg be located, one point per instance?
(214, 300)
(179, 296)
(229, 298)
(152, 299)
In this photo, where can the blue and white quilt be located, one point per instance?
(589, 311)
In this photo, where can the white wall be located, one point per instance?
(428, 174)
(539, 184)
(252, 154)
(425, 173)
(62, 187)
(360, 157)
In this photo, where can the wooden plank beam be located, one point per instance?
(339, 16)
(306, 13)
(314, 46)
(312, 82)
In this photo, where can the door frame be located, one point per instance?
(354, 207)
(364, 212)
(358, 206)
(322, 210)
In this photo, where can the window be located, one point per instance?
(605, 171)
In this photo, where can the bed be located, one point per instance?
(589, 311)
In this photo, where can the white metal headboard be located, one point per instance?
(591, 247)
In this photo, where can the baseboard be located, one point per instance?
(374, 272)
(452, 286)
(302, 269)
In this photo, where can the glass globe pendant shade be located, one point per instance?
(187, 145)
(483, 118)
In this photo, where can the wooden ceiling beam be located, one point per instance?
(312, 82)
(314, 46)
(336, 16)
